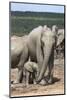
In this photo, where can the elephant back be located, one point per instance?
(17, 44)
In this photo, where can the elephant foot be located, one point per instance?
(38, 80)
(49, 80)
(35, 82)
(43, 82)
(27, 84)
(46, 81)
(15, 82)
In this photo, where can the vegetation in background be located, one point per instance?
(23, 22)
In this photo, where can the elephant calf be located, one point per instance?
(31, 71)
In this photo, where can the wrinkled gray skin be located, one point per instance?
(40, 47)
(31, 71)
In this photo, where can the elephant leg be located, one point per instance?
(34, 77)
(27, 78)
(20, 72)
(50, 69)
(23, 59)
(49, 78)
(20, 75)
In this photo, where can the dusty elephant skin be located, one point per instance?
(40, 47)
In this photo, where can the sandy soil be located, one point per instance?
(32, 90)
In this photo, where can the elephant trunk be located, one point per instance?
(47, 54)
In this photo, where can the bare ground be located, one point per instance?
(33, 90)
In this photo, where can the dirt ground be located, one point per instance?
(34, 90)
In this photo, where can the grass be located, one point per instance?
(23, 23)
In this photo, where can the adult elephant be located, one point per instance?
(40, 47)
(17, 49)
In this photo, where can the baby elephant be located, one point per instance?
(31, 72)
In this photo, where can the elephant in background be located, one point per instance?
(60, 44)
(60, 36)
(30, 72)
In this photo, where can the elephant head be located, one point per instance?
(60, 37)
(48, 40)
